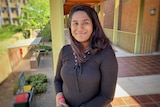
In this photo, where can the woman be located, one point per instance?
(87, 69)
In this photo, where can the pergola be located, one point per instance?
(68, 4)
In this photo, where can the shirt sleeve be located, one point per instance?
(109, 70)
(58, 80)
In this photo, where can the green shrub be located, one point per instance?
(46, 48)
(26, 34)
(38, 81)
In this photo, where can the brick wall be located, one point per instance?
(128, 15)
(150, 28)
(108, 14)
(150, 22)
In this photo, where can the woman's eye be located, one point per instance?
(75, 24)
(85, 23)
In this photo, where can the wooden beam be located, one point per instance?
(83, 1)
(70, 3)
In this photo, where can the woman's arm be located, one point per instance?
(60, 100)
(57, 79)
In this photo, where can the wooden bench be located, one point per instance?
(34, 60)
(25, 94)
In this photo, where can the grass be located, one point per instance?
(8, 30)
(5, 43)
(6, 36)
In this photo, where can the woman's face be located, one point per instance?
(81, 27)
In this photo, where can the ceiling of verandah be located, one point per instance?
(68, 4)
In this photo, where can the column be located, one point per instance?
(57, 28)
(115, 25)
(139, 26)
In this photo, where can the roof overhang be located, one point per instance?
(68, 4)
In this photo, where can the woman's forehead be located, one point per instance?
(80, 15)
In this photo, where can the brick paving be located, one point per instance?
(138, 65)
(137, 101)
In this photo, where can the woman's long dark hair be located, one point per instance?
(98, 39)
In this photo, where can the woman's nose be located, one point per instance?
(80, 26)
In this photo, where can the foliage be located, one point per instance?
(26, 34)
(38, 81)
(36, 14)
(8, 30)
(46, 32)
(46, 48)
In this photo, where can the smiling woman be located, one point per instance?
(87, 69)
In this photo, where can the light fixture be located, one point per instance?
(152, 11)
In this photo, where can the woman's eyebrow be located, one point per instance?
(82, 20)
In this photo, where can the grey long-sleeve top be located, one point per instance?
(91, 84)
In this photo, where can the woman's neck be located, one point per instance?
(85, 47)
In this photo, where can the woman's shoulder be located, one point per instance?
(108, 50)
(66, 49)
(68, 46)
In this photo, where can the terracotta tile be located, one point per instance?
(150, 105)
(130, 100)
(155, 97)
(120, 106)
(118, 102)
(138, 65)
(158, 104)
(143, 99)
(137, 105)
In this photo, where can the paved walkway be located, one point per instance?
(138, 81)
(41, 100)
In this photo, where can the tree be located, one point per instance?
(36, 15)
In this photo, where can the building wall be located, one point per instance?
(4, 66)
(108, 14)
(150, 26)
(158, 33)
(128, 15)
(10, 10)
(127, 23)
(150, 22)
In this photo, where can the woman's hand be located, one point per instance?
(63, 104)
(60, 100)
